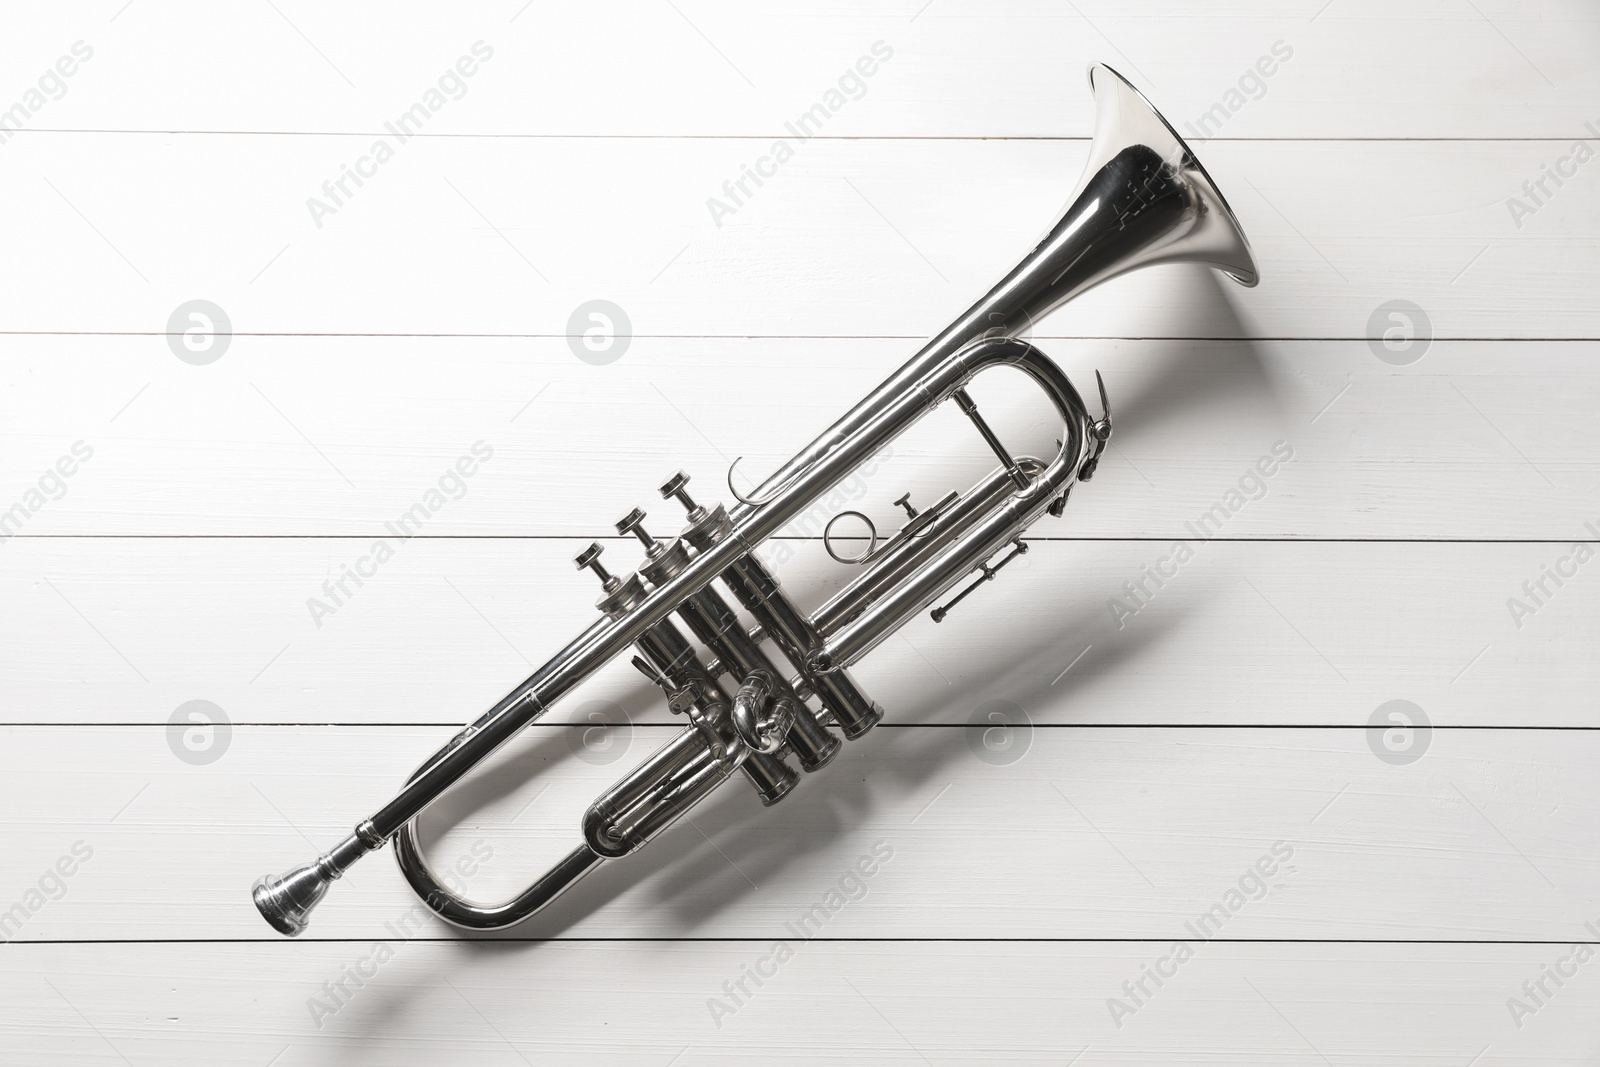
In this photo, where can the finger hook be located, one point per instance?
(741, 498)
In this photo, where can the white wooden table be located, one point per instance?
(1420, 880)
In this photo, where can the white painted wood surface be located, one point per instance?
(1024, 872)
(1248, 632)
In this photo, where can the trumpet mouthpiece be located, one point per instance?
(285, 900)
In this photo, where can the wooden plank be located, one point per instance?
(1096, 832)
(312, 436)
(957, 68)
(894, 1004)
(616, 1004)
(124, 631)
(851, 238)
(1054, 767)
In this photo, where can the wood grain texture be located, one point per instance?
(320, 436)
(1066, 785)
(893, 1004)
(1359, 68)
(114, 630)
(851, 238)
(1039, 833)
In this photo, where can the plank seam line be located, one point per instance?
(583, 536)
(916, 338)
(838, 940)
(587, 723)
(764, 137)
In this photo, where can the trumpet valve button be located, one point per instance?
(590, 558)
(633, 523)
(674, 485)
(677, 487)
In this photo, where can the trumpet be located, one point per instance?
(1143, 199)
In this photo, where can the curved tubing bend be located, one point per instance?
(464, 913)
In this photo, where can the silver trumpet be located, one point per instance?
(1143, 199)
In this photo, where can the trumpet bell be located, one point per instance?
(1143, 199)
(1128, 126)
